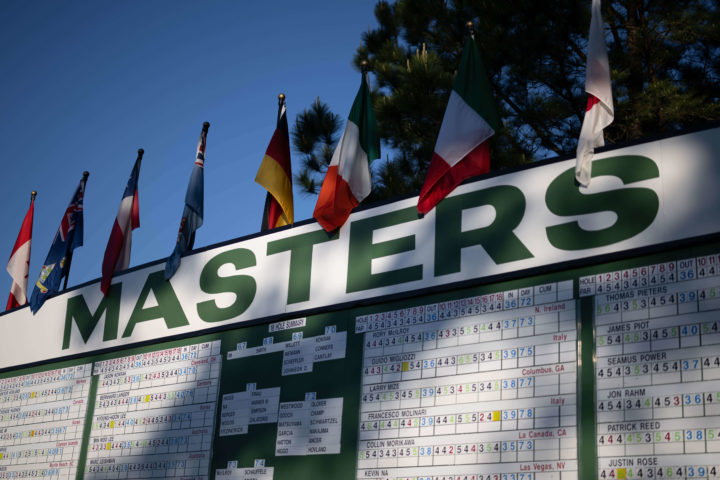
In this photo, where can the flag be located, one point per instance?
(19, 263)
(117, 252)
(69, 236)
(599, 111)
(471, 118)
(347, 181)
(275, 175)
(192, 217)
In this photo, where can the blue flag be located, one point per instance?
(57, 264)
(192, 217)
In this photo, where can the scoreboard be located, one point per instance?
(605, 366)
(658, 368)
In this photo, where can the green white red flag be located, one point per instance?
(347, 181)
(471, 118)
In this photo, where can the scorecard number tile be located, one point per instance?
(154, 414)
(482, 387)
(658, 370)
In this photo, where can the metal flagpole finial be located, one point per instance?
(206, 125)
(470, 28)
(141, 152)
(364, 66)
(86, 174)
(33, 194)
(281, 98)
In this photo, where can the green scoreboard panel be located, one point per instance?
(607, 371)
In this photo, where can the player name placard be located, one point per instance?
(251, 407)
(299, 354)
(309, 427)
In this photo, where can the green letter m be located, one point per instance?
(86, 322)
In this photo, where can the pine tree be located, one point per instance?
(314, 136)
(664, 59)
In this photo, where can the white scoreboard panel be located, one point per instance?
(477, 388)
(42, 417)
(154, 414)
(657, 342)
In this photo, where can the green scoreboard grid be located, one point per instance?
(607, 371)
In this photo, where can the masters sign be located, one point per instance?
(642, 195)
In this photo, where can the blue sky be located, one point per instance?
(87, 83)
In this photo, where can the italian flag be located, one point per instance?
(471, 118)
(19, 263)
(347, 181)
(599, 112)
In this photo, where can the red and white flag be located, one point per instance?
(19, 263)
(117, 252)
(599, 112)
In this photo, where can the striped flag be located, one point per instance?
(117, 252)
(69, 236)
(471, 118)
(599, 112)
(19, 264)
(192, 217)
(347, 181)
(275, 174)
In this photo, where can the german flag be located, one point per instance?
(275, 175)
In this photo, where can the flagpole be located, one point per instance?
(281, 103)
(86, 174)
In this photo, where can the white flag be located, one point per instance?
(599, 113)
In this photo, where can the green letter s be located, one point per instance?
(243, 286)
(636, 208)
